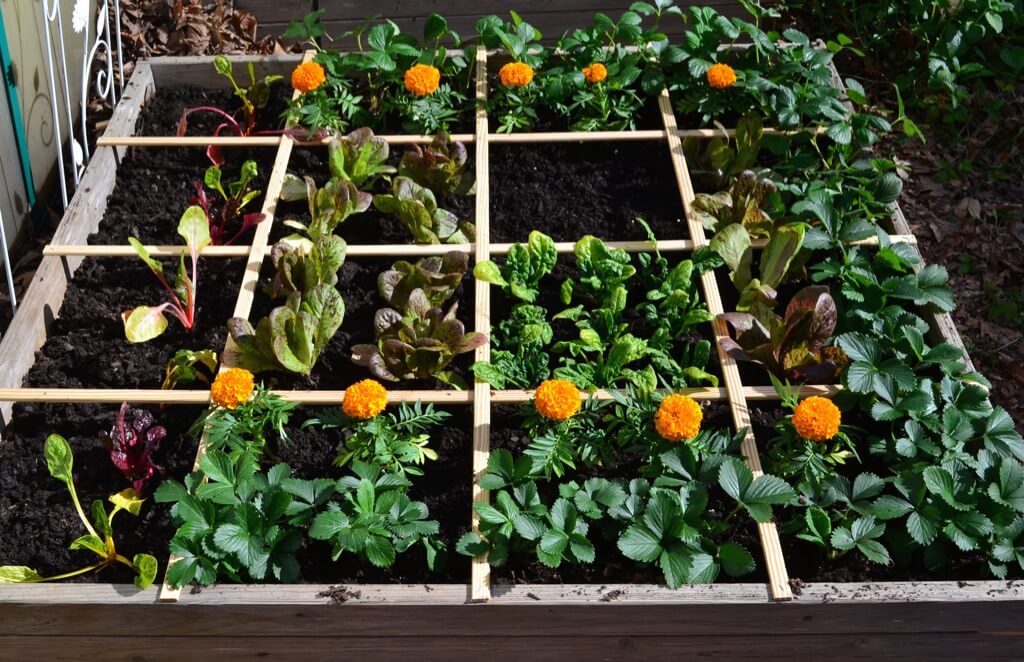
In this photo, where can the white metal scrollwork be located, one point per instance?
(109, 81)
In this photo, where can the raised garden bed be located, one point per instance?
(575, 613)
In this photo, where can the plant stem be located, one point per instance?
(73, 573)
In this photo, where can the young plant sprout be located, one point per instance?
(254, 97)
(234, 197)
(147, 322)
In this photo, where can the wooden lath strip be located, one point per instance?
(778, 577)
(510, 396)
(252, 141)
(480, 570)
(412, 250)
(575, 137)
(197, 397)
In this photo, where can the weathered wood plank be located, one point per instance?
(598, 646)
(42, 302)
(172, 70)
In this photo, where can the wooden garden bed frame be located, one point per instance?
(555, 618)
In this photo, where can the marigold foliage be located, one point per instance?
(516, 74)
(817, 419)
(721, 76)
(595, 73)
(308, 76)
(365, 399)
(232, 387)
(678, 418)
(422, 79)
(557, 399)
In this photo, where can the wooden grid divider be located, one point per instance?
(778, 576)
(412, 250)
(253, 141)
(480, 571)
(246, 292)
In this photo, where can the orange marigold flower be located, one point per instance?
(678, 418)
(308, 76)
(232, 387)
(557, 399)
(721, 76)
(422, 79)
(816, 419)
(364, 399)
(595, 73)
(516, 74)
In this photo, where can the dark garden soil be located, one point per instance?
(155, 186)
(609, 566)
(160, 115)
(445, 487)
(564, 330)
(357, 283)
(86, 347)
(371, 226)
(568, 190)
(37, 518)
(809, 563)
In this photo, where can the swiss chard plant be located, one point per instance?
(234, 198)
(442, 166)
(188, 367)
(375, 519)
(254, 97)
(131, 443)
(147, 322)
(395, 442)
(416, 208)
(99, 538)
(291, 338)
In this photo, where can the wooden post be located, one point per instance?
(778, 577)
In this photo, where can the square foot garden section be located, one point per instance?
(568, 190)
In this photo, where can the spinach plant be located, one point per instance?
(525, 265)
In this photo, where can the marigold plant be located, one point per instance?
(678, 418)
(721, 76)
(557, 399)
(817, 419)
(595, 73)
(422, 79)
(232, 387)
(364, 400)
(308, 76)
(516, 74)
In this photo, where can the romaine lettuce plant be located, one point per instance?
(437, 276)
(523, 269)
(146, 322)
(293, 335)
(742, 203)
(100, 537)
(441, 166)
(235, 196)
(417, 342)
(791, 347)
(779, 260)
(720, 160)
(131, 445)
(359, 157)
(416, 207)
